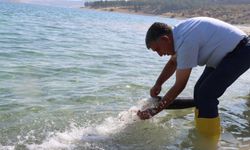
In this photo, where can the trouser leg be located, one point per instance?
(215, 82)
(211, 85)
(207, 71)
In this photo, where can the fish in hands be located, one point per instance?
(143, 115)
(149, 109)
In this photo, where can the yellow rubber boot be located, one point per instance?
(209, 130)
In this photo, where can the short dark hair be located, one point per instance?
(156, 30)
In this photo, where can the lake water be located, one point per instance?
(71, 78)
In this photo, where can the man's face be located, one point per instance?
(162, 46)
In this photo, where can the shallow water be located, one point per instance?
(72, 79)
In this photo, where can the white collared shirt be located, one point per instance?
(204, 41)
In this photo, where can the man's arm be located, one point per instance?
(182, 77)
(167, 71)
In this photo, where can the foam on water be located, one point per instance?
(91, 133)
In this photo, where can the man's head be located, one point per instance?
(159, 38)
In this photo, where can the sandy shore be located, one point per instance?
(244, 27)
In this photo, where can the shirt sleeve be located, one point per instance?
(187, 54)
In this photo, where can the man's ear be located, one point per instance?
(165, 38)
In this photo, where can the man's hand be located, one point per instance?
(143, 115)
(155, 91)
(146, 114)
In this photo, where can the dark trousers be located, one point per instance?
(214, 81)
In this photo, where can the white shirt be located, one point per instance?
(204, 41)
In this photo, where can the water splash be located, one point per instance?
(111, 129)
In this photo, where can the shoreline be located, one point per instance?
(243, 24)
(244, 27)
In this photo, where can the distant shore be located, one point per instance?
(178, 15)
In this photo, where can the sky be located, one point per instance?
(64, 3)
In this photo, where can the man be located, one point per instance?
(223, 48)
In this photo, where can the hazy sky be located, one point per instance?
(65, 3)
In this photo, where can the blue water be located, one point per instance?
(70, 78)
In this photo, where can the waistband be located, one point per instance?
(243, 42)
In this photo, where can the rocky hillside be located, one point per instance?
(232, 11)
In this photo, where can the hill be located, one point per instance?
(232, 11)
